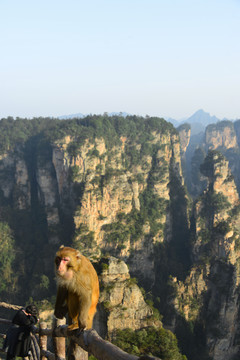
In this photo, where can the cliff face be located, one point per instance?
(222, 135)
(210, 293)
(110, 191)
(15, 183)
(208, 296)
(184, 136)
(102, 191)
(121, 304)
(117, 191)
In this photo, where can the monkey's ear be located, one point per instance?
(78, 255)
(61, 247)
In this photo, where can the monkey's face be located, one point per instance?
(64, 267)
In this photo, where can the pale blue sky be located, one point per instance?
(164, 58)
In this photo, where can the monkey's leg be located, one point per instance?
(91, 313)
(93, 307)
(61, 303)
(73, 310)
(84, 311)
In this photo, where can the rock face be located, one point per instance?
(114, 188)
(101, 191)
(121, 303)
(184, 136)
(222, 135)
(110, 187)
(15, 184)
(209, 293)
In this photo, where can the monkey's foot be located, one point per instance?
(73, 326)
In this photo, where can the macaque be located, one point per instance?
(77, 288)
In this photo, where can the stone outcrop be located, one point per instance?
(222, 135)
(14, 180)
(215, 207)
(121, 303)
(189, 299)
(184, 136)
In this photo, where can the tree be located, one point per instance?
(7, 256)
(152, 341)
(207, 168)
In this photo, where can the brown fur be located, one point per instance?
(78, 288)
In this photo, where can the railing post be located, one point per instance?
(59, 343)
(75, 352)
(42, 339)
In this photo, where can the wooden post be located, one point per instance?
(42, 339)
(75, 352)
(59, 343)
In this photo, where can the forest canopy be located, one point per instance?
(18, 131)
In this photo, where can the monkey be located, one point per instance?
(77, 288)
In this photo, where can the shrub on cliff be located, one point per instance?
(151, 341)
(7, 257)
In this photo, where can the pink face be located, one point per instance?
(62, 268)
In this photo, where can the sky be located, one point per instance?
(145, 57)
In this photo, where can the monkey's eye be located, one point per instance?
(57, 260)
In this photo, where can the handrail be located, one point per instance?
(89, 340)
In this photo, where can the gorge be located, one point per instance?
(157, 213)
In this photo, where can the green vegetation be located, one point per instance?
(152, 209)
(34, 239)
(196, 177)
(84, 240)
(74, 171)
(14, 132)
(235, 211)
(184, 126)
(221, 125)
(149, 341)
(214, 203)
(212, 159)
(128, 227)
(7, 252)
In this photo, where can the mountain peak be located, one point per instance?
(200, 116)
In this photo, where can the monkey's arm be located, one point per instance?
(61, 303)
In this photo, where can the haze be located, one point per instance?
(154, 57)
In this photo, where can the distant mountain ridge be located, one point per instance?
(199, 116)
(71, 116)
(80, 115)
(198, 121)
(202, 117)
